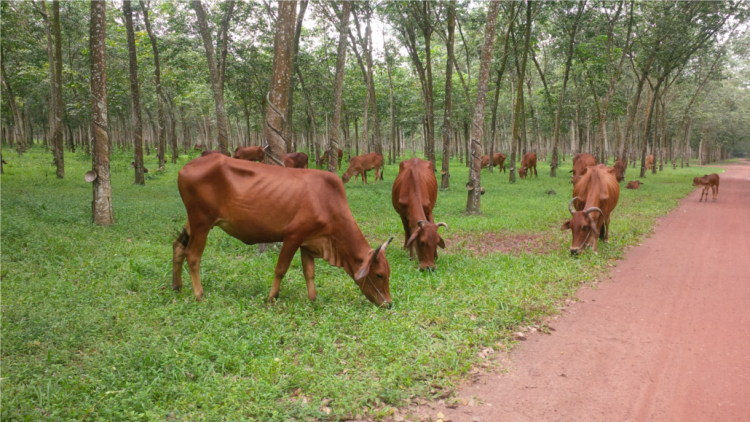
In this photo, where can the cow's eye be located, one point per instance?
(380, 275)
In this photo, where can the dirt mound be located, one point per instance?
(489, 242)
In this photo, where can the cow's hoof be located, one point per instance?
(176, 288)
(199, 297)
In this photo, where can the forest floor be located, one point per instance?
(665, 338)
(92, 331)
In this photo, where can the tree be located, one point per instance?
(135, 94)
(101, 206)
(447, 127)
(473, 204)
(338, 87)
(17, 120)
(160, 128)
(216, 67)
(58, 129)
(518, 113)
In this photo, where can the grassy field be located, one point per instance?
(92, 331)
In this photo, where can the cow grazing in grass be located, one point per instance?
(594, 198)
(581, 163)
(132, 165)
(498, 160)
(249, 153)
(708, 181)
(414, 196)
(361, 164)
(528, 164)
(620, 167)
(650, 162)
(257, 203)
(297, 160)
(635, 184)
(323, 158)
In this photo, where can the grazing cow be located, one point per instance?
(249, 154)
(498, 160)
(620, 167)
(297, 160)
(528, 163)
(581, 163)
(635, 184)
(361, 164)
(594, 198)
(323, 158)
(256, 203)
(650, 162)
(708, 181)
(132, 165)
(414, 196)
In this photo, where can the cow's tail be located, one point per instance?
(178, 257)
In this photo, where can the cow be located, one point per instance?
(132, 165)
(708, 181)
(361, 164)
(650, 162)
(297, 160)
(498, 160)
(594, 197)
(257, 203)
(414, 195)
(620, 167)
(323, 158)
(249, 154)
(635, 184)
(528, 163)
(581, 163)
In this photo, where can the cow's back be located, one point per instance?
(415, 181)
(600, 182)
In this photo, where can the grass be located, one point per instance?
(92, 331)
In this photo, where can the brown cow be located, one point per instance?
(256, 203)
(413, 197)
(650, 162)
(708, 181)
(594, 198)
(132, 165)
(361, 164)
(323, 158)
(297, 160)
(635, 184)
(581, 163)
(249, 154)
(620, 167)
(528, 162)
(498, 160)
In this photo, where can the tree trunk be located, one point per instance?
(447, 127)
(18, 122)
(473, 205)
(378, 140)
(135, 95)
(216, 68)
(338, 88)
(518, 113)
(161, 127)
(58, 138)
(101, 206)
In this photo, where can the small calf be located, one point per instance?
(635, 184)
(708, 181)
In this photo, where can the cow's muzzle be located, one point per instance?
(430, 269)
(386, 305)
(574, 251)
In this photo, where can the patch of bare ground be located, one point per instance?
(490, 242)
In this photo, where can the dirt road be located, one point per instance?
(666, 339)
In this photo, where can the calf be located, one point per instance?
(650, 162)
(256, 203)
(581, 163)
(708, 181)
(361, 164)
(635, 184)
(528, 163)
(249, 153)
(498, 160)
(297, 160)
(414, 195)
(620, 167)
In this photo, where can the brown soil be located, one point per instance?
(485, 243)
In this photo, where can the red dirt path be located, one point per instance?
(666, 339)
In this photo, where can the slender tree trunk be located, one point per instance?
(338, 88)
(101, 206)
(518, 113)
(378, 140)
(18, 121)
(58, 138)
(161, 127)
(135, 95)
(394, 134)
(647, 131)
(447, 127)
(473, 204)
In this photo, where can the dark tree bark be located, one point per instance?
(338, 87)
(473, 204)
(297, 33)
(394, 135)
(500, 72)
(101, 206)
(160, 129)
(216, 67)
(518, 113)
(18, 122)
(135, 95)
(58, 137)
(447, 127)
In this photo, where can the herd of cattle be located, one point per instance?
(308, 210)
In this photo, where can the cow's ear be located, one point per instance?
(365, 268)
(565, 226)
(610, 170)
(412, 238)
(441, 243)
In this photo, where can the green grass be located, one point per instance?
(92, 331)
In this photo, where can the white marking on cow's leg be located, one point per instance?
(288, 249)
(308, 269)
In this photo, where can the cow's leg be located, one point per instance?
(364, 177)
(288, 249)
(377, 174)
(714, 191)
(193, 252)
(178, 257)
(308, 269)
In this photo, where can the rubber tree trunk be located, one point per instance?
(473, 204)
(297, 33)
(18, 123)
(58, 136)
(338, 87)
(378, 141)
(518, 113)
(101, 206)
(135, 96)
(500, 72)
(280, 79)
(160, 128)
(447, 127)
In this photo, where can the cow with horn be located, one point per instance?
(595, 195)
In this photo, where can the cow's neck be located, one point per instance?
(352, 248)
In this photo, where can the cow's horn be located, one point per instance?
(420, 223)
(441, 224)
(385, 245)
(570, 206)
(592, 209)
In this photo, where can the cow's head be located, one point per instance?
(426, 240)
(698, 181)
(522, 172)
(345, 177)
(583, 225)
(372, 277)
